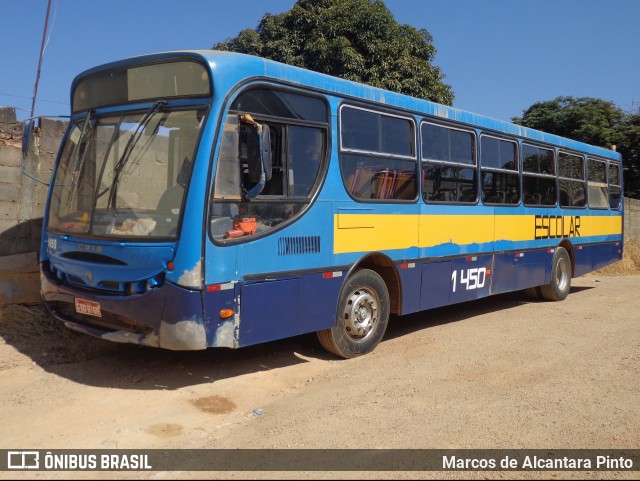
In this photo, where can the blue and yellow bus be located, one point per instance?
(212, 199)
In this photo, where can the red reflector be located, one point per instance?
(330, 275)
(472, 259)
(225, 286)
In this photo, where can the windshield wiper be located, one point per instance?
(78, 160)
(133, 140)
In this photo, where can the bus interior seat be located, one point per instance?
(360, 182)
(405, 188)
(374, 182)
(383, 183)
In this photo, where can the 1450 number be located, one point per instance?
(470, 278)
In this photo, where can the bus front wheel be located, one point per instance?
(362, 316)
(560, 283)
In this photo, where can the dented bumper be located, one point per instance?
(167, 316)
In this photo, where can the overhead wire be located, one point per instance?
(42, 47)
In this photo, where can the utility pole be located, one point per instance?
(44, 38)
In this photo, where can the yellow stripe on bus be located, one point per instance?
(377, 232)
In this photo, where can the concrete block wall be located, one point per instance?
(632, 219)
(22, 199)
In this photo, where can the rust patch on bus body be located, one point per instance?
(188, 334)
(185, 335)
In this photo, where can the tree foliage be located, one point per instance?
(594, 121)
(357, 40)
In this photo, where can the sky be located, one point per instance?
(498, 56)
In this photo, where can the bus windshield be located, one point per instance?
(126, 174)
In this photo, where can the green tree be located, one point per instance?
(629, 147)
(594, 121)
(357, 40)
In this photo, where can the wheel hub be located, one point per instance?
(361, 314)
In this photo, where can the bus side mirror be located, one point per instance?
(259, 160)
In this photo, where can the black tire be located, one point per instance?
(560, 283)
(362, 316)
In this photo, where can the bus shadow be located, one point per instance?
(404, 325)
(127, 366)
(95, 362)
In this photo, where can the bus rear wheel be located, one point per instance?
(560, 283)
(362, 316)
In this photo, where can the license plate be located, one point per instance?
(89, 308)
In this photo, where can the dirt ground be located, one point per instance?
(502, 372)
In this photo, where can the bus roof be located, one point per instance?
(237, 67)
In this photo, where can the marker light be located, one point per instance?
(226, 313)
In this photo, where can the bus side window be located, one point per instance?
(615, 191)
(298, 135)
(449, 172)
(499, 171)
(598, 188)
(573, 192)
(538, 176)
(305, 152)
(377, 155)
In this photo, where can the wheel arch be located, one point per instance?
(382, 265)
(569, 248)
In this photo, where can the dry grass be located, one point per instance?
(45, 340)
(28, 322)
(630, 263)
